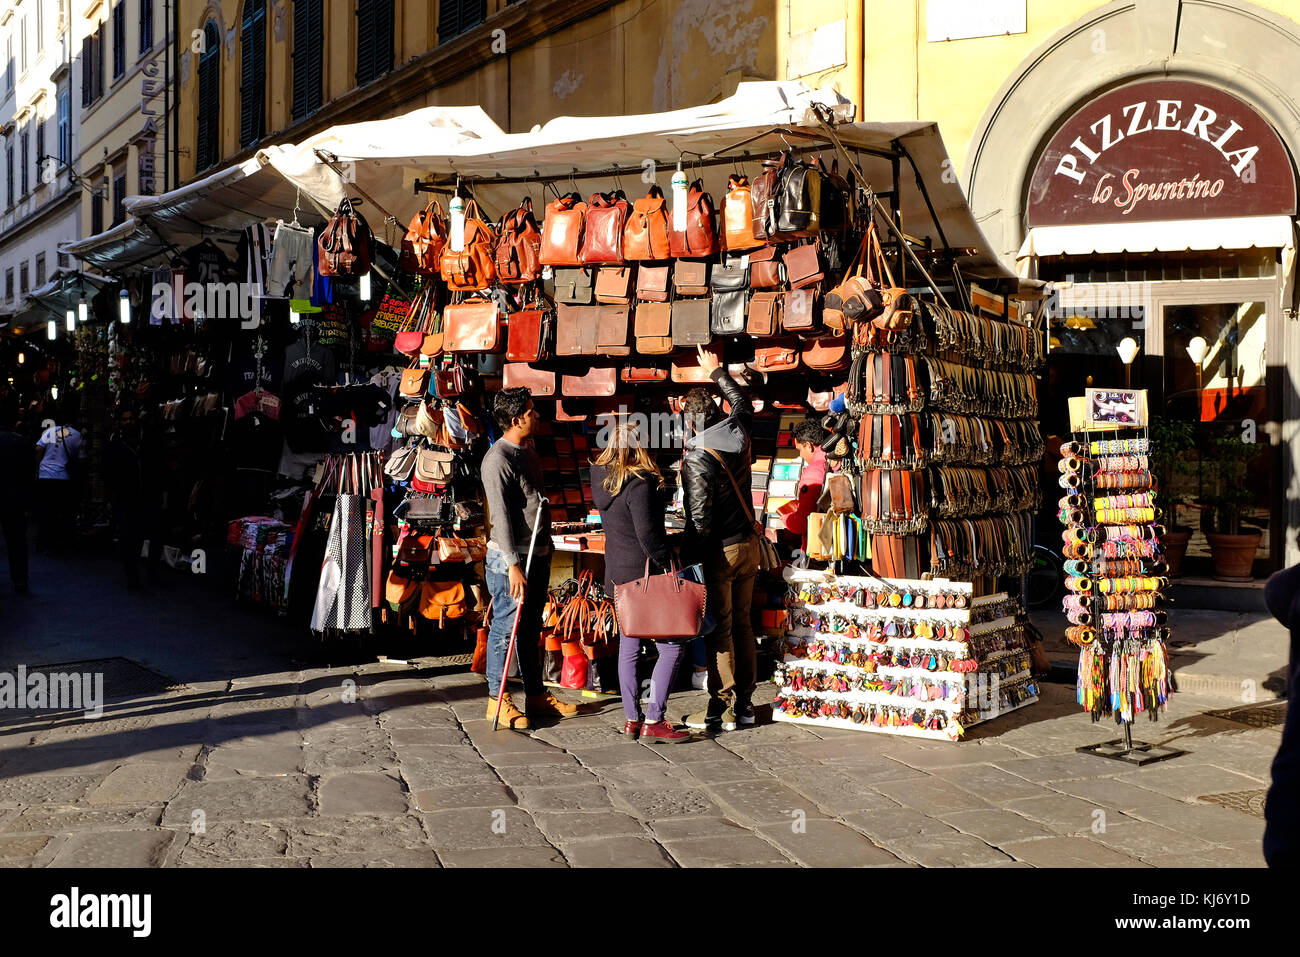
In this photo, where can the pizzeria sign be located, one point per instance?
(1161, 150)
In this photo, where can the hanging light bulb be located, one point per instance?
(83, 311)
(22, 357)
(365, 286)
(51, 330)
(72, 321)
(124, 307)
(54, 392)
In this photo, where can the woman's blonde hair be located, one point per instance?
(625, 458)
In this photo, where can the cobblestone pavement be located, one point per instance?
(262, 759)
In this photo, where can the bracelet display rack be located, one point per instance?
(898, 656)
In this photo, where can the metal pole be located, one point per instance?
(519, 609)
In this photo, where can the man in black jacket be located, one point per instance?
(1282, 809)
(720, 535)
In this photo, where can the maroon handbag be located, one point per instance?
(660, 607)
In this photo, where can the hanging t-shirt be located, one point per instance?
(381, 433)
(255, 441)
(205, 263)
(255, 244)
(304, 368)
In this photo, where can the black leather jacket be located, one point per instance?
(715, 515)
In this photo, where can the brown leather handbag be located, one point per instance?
(602, 236)
(738, 216)
(799, 314)
(425, 239)
(654, 372)
(474, 267)
(691, 277)
(528, 335)
(645, 237)
(690, 322)
(652, 282)
(612, 331)
(614, 284)
(828, 353)
(654, 328)
(519, 246)
(700, 237)
(597, 381)
(472, 326)
(441, 601)
(415, 381)
(344, 243)
(562, 231)
(521, 375)
(433, 469)
(765, 312)
(765, 269)
(803, 265)
(660, 607)
(686, 367)
(575, 286)
(576, 330)
(777, 356)
(762, 198)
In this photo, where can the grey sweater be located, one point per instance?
(512, 481)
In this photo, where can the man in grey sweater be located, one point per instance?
(512, 481)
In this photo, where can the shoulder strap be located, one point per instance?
(749, 509)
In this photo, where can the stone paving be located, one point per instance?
(265, 759)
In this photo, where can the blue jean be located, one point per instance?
(497, 576)
(661, 679)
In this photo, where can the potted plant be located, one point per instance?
(1171, 439)
(1232, 549)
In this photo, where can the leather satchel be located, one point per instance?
(645, 237)
(660, 607)
(521, 375)
(433, 469)
(602, 236)
(690, 322)
(859, 298)
(401, 463)
(652, 282)
(597, 382)
(450, 382)
(828, 353)
(474, 267)
(766, 270)
(472, 326)
(440, 601)
(803, 266)
(643, 373)
(730, 284)
(781, 355)
(738, 216)
(519, 246)
(425, 239)
(798, 200)
(614, 284)
(414, 381)
(765, 312)
(562, 231)
(654, 328)
(576, 330)
(691, 277)
(799, 315)
(762, 198)
(528, 335)
(612, 331)
(575, 287)
(700, 237)
(345, 243)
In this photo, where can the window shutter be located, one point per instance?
(252, 42)
(316, 55)
(87, 68)
(384, 29)
(365, 41)
(209, 132)
(448, 19)
(308, 40)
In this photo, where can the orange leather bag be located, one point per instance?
(738, 216)
(562, 231)
(425, 239)
(474, 267)
(646, 235)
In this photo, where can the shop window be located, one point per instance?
(119, 39)
(96, 213)
(119, 194)
(252, 76)
(209, 126)
(146, 26)
(375, 27)
(308, 51)
(40, 270)
(457, 16)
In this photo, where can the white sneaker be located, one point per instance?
(700, 680)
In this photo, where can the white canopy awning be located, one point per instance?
(1264, 232)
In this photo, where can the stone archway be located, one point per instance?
(1241, 48)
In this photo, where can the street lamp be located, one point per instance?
(83, 311)
(1196, 350)
(124, 307)
(1128, 350)
(72, 321)
(51, 330)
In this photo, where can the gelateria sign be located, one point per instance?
(1161, 150)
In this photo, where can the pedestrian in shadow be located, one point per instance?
(1282, 808)
(17, 475)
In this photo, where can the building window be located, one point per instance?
(146, 26)
(9, 284)
(374, 39)
(457, 16)
(209, 135)
(65, 127)
(65, 261)
(308, 47)
(24, 154)
(40, 26)
(119, 39)
(96, 213)
(92, 67)
(252, 76)
(9, 175)
(40, 152)
(24, 286)
(40, 270)
(22, 44)
(9, 63)
(119, 194)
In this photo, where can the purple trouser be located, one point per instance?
(661, 680)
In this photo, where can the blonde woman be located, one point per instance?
(627, 487)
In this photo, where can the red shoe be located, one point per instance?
(632, 728)
(663, 731)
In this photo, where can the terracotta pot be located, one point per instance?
(1174, 547)
(1233, 555)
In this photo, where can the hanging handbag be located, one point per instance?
(443, 601)
(690, 322)
(686, 368)
(652, 282)
(562, 231)
(653, 328)
(602, 236)
(700, 237)
(401, 593)
(777, 355)
(471, 326)
(344, 246)
(799, 315)
(473, 268)
(798, 200)
(528, 335)
(576, 329)
(660, 607)
(729, 282)
(614, 284)
(765, 312)
(414, 382)
(738, 216)
(827, 353)
(433, 469)
(766, 271)
(645, 237)
(599, 381)
(857, 298)
(401, 464)
(574, 287)
(538, 382)
(643, 373)
(519, 246)
(803, 265)
(762, 198)
(838, 209)
(612, 331)
(691, 277)
(424, 242)
(450, 382)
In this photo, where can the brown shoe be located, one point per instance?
(511, 717)
(549, 706)
(632, 728)
(662, 732)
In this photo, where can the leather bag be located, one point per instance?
(700, 237)
(449, 383)
(612, 331)
(766, 271)
(472, 326)
(686, 368)
(803, 266)
(652, 282)
(777, 355)
(538, 382)
(762, 198)
(738, 216)
(574, 287)
(519, 246)
(798, 200)
(425, 239)
(401, 463)
(729, 281)
(614, 284)
(596, 382)
(414, 381)
(643, 373)
(645, 237)
(765, 312)
(690, 322)
(602, 237)
(562, 231)
(443, 601)
(474, 267)
(653, 325)
(344, 245)
(576, 330)
(433, 469)
(660, 607)
(828, 353)
(691, 277)
(799, 313)
(528, 335)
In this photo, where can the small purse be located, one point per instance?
(414, 382)
(765, 269)
(433, 469)
(401, 463)
(777, 356)
(765, 312)
(803, 266)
